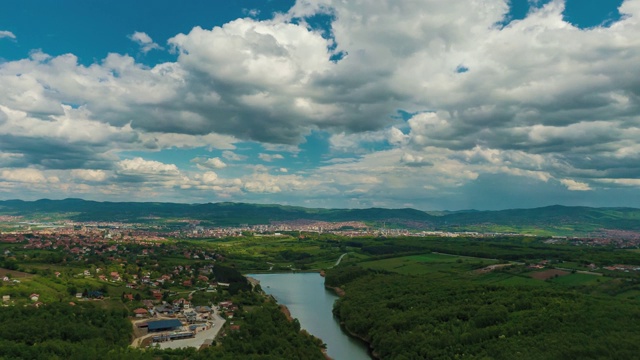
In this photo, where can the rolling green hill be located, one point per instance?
(562, 220)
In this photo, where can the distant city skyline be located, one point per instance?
(431, 105)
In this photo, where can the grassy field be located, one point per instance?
(503, 278)
(279, 253)
(441, 265)
(428, 264)
(48, 291)
(56, 290)
(14, 274)
(577, 279)
(632, 294)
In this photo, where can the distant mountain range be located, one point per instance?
(559, 220)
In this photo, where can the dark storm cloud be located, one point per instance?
(50, 153)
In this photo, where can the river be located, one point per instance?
(308, 301)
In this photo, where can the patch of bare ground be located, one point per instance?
(146, 342)
(491, 268)
(14, 274)
(324, 353)
(286, 312)
(139, 332)
(337, 290)
(548, 274)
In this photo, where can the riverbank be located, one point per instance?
(361, 338)
(290, 271)
(338, 291)
(303, 297)
(286, 312)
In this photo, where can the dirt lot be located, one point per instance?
(139, 332)
(548, 274)
(14, 274)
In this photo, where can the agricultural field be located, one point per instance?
(548, 274)
(431, 263)
(578, 280)
(14, 274)
(501, 273)
(506, 278)
(277, 253)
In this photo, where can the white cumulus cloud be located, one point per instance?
(270, 157)
(140, 166)
(26, 175)
(541, 100)
(7, 34)
(575, 185)
(89, 175)
(145, 42)
(209, 163)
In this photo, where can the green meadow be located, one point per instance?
(430, 263)
(578, 279)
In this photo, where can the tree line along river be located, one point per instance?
(308, 301)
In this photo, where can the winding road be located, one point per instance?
(339, 259)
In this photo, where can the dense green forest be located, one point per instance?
(265, 335)
(426, 317)
(62, 331)
(507, 248)
(268, 334)
(499, 297)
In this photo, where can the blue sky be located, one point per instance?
(425, 104)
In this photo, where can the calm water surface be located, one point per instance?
(308, 301)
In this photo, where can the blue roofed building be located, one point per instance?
(164, 325)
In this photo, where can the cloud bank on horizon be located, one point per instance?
(419, 103)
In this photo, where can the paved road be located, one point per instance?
(200, 337)
(339, 259)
